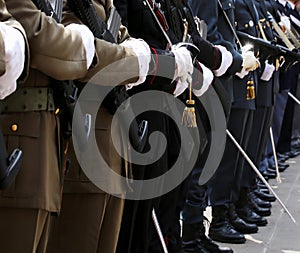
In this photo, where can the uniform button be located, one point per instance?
(229, 4)
(246, 25)
(14, 127)
(57, 111)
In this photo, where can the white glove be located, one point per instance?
(242, 73)
(285, 21)
(250, 62)
(226, 61)
(268, 72)
(87, 39)
(183, 63)
(14, 44)
(180, 87)
(143, 53)
(208, 77)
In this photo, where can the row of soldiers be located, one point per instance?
(53, 206)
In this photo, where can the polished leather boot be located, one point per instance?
(248, 215)
(239, 224)
(282, 157)
(262, 211)
(191, 238)
(221, 229)
(269, 175)
(259, 201)
(264, 196)
(194, 240)
(281, 166)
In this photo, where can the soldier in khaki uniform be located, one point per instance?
(29, 121)
(12, 63)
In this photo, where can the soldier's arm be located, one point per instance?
(106, 52)
(209, 12)
(7, 19)
(56, 51)
(13, 53)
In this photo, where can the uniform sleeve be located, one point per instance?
(10, 21)
(54, 50)
(123, 59)
(209, 12)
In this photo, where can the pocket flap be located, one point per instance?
(21, 124)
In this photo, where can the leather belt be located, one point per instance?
(28, 99)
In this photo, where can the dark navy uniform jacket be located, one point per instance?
(220, 33)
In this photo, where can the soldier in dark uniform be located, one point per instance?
(222, 185)
(290, 77)
(263, 112)
(281, 123)
(280, 97)
(141, 23)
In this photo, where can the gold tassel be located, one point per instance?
(189, 116)
(250, 90)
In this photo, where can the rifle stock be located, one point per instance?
(268, 50)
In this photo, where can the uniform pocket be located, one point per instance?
(22, 130)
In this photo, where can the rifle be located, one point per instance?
(9, 165)
(85, 11)
(46, 7)
(267, 50)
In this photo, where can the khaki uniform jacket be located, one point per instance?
(76, 181)
(57, 53)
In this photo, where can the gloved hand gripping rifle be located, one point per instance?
(86, 12)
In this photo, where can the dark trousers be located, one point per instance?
(284, 141)
(279, 108)
(224, 184)
(262, 120)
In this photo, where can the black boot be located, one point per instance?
(264, 196)
(190, 239)
(262, 211)
(258, 201)
(239, 224)
(201, 243)
(248, 215)
(245, 212)
(220, 228)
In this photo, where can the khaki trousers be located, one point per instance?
(23, 230)
(88, 223)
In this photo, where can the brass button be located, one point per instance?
(14, 127)
(229, 4)
(246, 25)
(57, 111)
